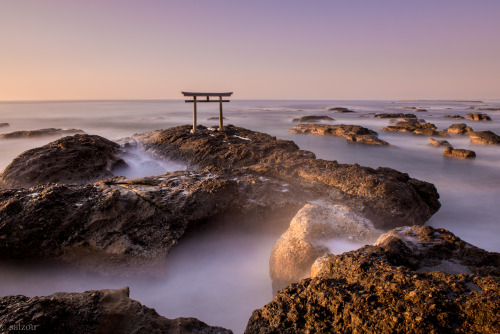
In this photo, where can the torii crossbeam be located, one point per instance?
(207, 95)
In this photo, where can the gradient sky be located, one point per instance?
(260, 49)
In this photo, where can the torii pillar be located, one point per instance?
(207, 96)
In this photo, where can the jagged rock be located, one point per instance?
(96, 311)
(478, 117)
(415, 280)
(340, 109)
(484, 137)
(354, 133)
(459, 129)
(4, 124)
(439, 143)
(73, 159)
(40, 133)
(454, 116)
(395, 115)
(122, 223)
(296, 250)
(459, 153)
(312, 119)
(417, 128)
(385, 196)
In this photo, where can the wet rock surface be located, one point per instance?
(395, 115)
(96, 311)
(484, 137)
(353, 133)
(459, 129)
(73, 159)
(459, 153)
(414, 280)
(312, 119)
(478, 117)
(312, 227)
(39, 133)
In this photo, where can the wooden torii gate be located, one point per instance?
(207, 95)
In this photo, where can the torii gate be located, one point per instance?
(207, 95)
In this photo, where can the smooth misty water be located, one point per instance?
(221, 277)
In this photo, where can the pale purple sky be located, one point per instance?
(272, 49)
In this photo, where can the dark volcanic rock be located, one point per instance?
(454, 116)
(459, 129)
(414, 280)
(478, 117)
(459, 153)
(39, 133)
(74, 159)
(484, 137)
(4, 124)
(385, 196)
(312, 119)
(340, 109)
(131, 222)
(439, 143)
(354, 133)
(97, 311)
(399, 115)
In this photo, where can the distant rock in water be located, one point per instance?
(488, 109)
(478, 117)
(414, 280)
(420, 110)
(484, 137)
(439, 143)
(40, 133)
(354, 133)
(399, 115)
(459, 153)
(96, 311)
(459, 129)
(426, 129)
(215, 118)
(73, 159)
(4, 124)
(312, 119)
(340, 109)
(454, 116)
(296, 250)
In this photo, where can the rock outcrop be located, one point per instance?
(96, 311)
(73, 159)
(459, 153)
(385, 196)
(353, 133)
(439, 143)
(395, 115)
(478, 117)
(484, 137)
(454, 116)
(340, 109)
(40, 133)
(459, 129)
(418, 128)
(414, 280)
(296, 250)
(312, 119)
(487, 109)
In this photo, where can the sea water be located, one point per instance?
(221, 276)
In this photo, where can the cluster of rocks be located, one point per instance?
(413, 280)
(395, 115)
(340, 109)
(96, 311)
(454, 116)
(459, 129)
(312, 119)
(353, 133)
(415, 126)
(478, 117)
(484, 137)
(459, 153)
(39, 133)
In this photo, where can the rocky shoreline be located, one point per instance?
(80, 212)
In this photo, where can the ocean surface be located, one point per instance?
(220, 277)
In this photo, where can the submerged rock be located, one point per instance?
(96, 311)
(454, 116)
(340, 109)
(312, 119)
(439, 143)
(73, 159)
(40, 133)
(459, 153)
(395, 115)
(353, 133)
(459, 129)
(488, 109)
(484, 137)
(478, 117)
(414, 280)
(315, 224)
